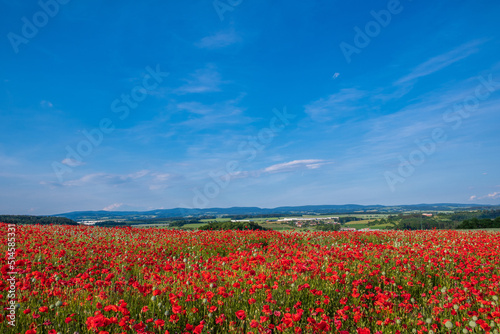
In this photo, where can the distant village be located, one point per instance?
(303, 222)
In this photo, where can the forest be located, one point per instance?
(440, 221)
(479, 223)
(42, 220)
(232, 226)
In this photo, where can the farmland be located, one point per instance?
(126, 280)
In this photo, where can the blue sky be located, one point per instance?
(159, 104)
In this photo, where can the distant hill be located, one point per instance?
(284, 210)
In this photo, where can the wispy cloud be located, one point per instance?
(104, 178)
(7, 160)
(204, 80)
(417, 120)
(284, 167)
(444, 60)
(295, 165)
(100, 179)
(146, 179)
(162, 177)
(72, 162)
(195, 107)
(46, 104)
(494, 195)
(182, 119)
(338, 105)
(160, 181)
(219, 40)
(348, 101)
(206, 116)
(272, 173)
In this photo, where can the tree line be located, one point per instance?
(42, 220)
(456, 220)
(479, 223)
(228, 225)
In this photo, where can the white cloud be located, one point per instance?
(138, 175)
(162, 177)
(224, 112)
(290, 166)
(204, 80)
(105, 179)
(341, 104)
(161, 181)
(113, 207)
(72, 162)
(46, 104)
(218, 40)
(294, 165)
(195, 107)
(494, 195)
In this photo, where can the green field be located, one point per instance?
(163, 225)
(360, 224)
(278, 226)
(194, 226)
(364, 215)
(216, 219)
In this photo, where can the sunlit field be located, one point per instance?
(72, 279)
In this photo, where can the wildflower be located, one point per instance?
(241, 314)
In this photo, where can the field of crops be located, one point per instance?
(75, 279)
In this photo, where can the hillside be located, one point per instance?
(255, 211)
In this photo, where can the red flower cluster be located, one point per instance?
(98, 280)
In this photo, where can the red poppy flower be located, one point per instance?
(241, 314)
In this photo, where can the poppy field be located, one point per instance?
(80, 279)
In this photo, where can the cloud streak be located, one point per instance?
(219, 40)
(205, 80)
(444, 60)
(491, 196)
(337, 106)
(294, 165)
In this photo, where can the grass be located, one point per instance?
(276, 226)
(163, 225)
(216, 219)
(194, 226)
(364, 224)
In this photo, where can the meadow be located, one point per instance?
(81, 279)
